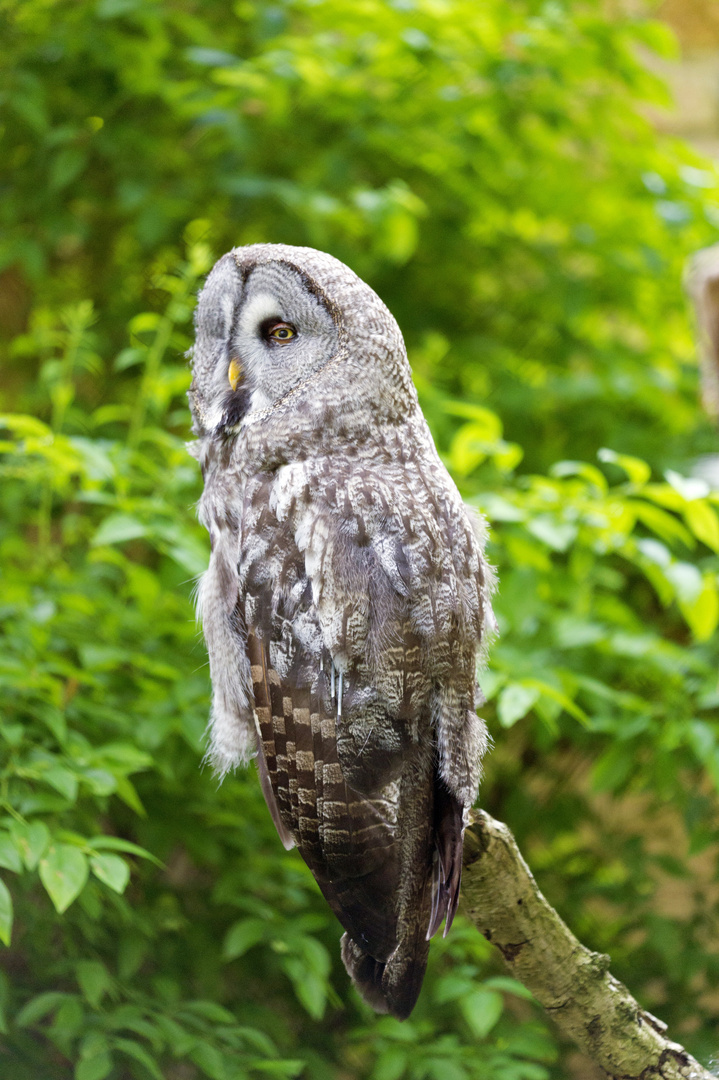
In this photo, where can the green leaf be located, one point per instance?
(469, 449)
(443, 1068)
(491, 682)
(663, 524)
(391, 1064)
(38, 1007)
(311, 987)
(613, 767)
(180, 1038)
(127, 792)
(210, 1010)
(111, 870)
(583, 469)
(94, 1068)
(94, 980)
(116, 843)
(637, 470)
(451, 986)
(136, 1051)
(9, 854)
(499, 508)
(210, 1060)
(664, 495)
(62, 780)
(562, 699)
(242, 936)
(24, 426)
(509, 986)
(702, 519)
(31, 839)
(63, 872)
(702, 613)
(5, 913)
(66, 166)
(144, 322)
(128, 358)
(117, 528)
(191, 556)
(558, 535)
(70, 1020)
(484, 419)
(481, 1009)
(514, 702)
(286, 1067)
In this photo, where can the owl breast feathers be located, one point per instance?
(346, 603)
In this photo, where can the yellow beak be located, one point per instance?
(234, 373)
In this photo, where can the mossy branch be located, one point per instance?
(575, 986)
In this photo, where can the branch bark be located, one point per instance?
(588, 1005)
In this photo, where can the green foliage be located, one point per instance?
(488, 170)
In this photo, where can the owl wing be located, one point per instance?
(347, 840)
(348, 761)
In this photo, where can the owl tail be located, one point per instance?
(392, 987)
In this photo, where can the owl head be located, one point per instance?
(292, 333)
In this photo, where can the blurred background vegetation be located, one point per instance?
(491, 170)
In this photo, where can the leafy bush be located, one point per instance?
(488, 171)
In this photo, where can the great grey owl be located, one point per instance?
(346, 602)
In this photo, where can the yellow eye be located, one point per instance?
(281, 332)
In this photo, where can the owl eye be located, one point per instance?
(279, 332)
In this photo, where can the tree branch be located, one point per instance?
(588, 1005)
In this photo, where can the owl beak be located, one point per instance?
(234, 373)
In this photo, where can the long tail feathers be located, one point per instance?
(392, 987)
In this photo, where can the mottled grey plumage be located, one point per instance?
(346, 601)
